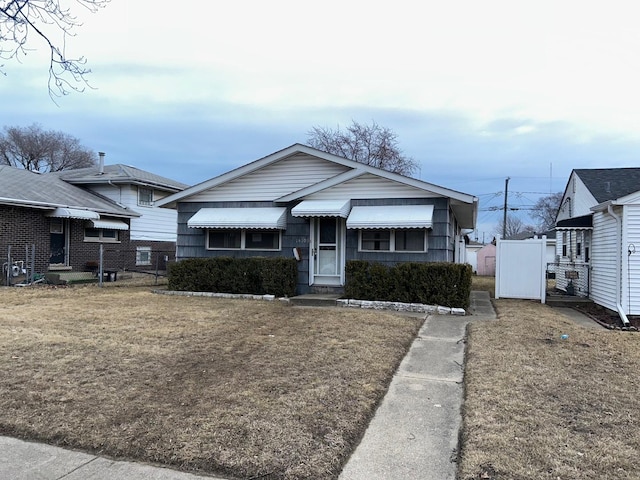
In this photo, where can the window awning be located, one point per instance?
(391, 216)
(250, 217)
(109, 224)
(322, 208)
(61, 212)
(585, 222)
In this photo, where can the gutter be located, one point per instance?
(616, 217)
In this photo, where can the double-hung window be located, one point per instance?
(409, 240)
(145, 196)
(243, 239)
(101, 235)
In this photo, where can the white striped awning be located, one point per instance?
(391, 216)
(109, 224)
(61, 212)
(251, 217)
(322, 208)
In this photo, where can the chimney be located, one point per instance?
(101, 167)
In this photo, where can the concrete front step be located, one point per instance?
(315, 300)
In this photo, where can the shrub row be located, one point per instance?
(446, 284)
(256, 275)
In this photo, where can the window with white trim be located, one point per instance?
(405, 240)
(243, 239)
(145, 196)
(101, 235)
(143, 255)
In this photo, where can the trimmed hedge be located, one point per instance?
(255, 275)
(446, 284)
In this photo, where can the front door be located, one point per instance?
(57, 241)
(327, 252)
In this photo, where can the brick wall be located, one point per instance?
(21, 226)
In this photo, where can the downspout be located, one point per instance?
(616, 217)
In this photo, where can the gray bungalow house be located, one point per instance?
(322, 210)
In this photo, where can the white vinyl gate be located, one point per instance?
(521, 269)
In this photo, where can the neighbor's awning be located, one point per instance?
(391, 216)
(61, 212)
(322, 208)
(253, 217)
(109, 224)
(584, 222)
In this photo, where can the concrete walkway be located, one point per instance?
(414, 433)
(20, 460)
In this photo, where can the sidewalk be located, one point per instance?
(20, 460)
(414, 433)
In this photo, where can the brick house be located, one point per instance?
(67, 217)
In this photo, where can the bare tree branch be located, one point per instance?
(52, 22)
(546, 209)
(369, 144)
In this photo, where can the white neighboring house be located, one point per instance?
(598, 237)
(138, 190)
(472, 249)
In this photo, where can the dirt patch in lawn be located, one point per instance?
(606, 317)
(234, 387)
(542, 407)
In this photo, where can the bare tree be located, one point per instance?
(515, 226)
(35, 149)
(52, 22)
(546, 209)
(369, 144)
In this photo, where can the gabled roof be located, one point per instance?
(610, 183)
(120, 174)
(48, 191)
(458, 199)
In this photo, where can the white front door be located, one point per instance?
(326, 266)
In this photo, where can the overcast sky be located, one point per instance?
(476, 91)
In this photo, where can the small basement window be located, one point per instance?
(143, 255)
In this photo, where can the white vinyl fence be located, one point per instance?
(521, 269)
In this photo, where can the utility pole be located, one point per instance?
(504, 218)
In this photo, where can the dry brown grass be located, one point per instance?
(539, 407)
(241, 388)
(484, 284)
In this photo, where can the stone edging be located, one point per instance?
(400, 307)
(349, 303)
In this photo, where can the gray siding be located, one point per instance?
(192, 241)
(440, 244)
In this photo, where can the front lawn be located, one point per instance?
(540, 407)
(234, 387)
